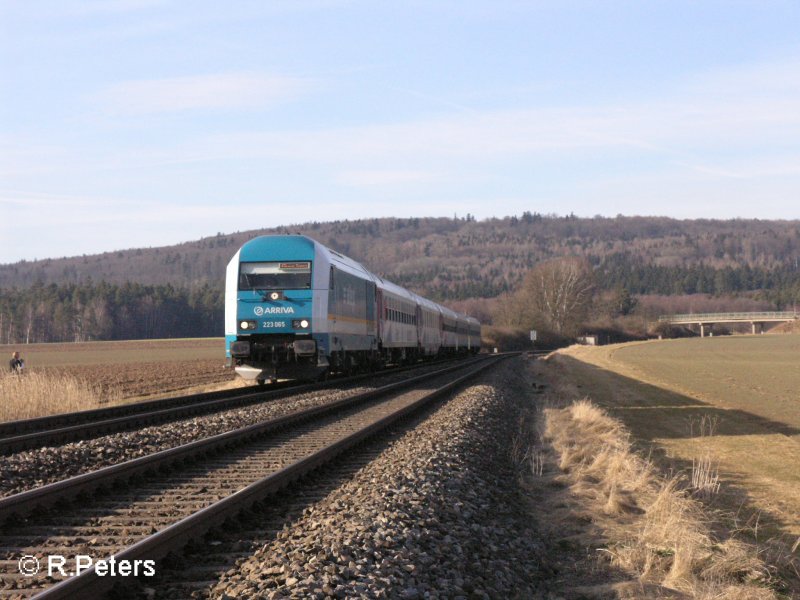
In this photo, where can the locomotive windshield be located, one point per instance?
(275, 275)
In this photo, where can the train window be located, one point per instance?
(275, 275)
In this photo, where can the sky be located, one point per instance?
(135, 123)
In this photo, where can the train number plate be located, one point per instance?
(273, 324)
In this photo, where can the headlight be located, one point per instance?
(246, 325)
(301, 323)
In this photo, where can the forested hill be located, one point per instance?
(463, 258)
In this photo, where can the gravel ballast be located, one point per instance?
(436, 515)
(29, 469)
(25, 470)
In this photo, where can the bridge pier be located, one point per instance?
(757, 327)
(706, 328)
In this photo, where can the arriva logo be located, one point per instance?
(273, 310)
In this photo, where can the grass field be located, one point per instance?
(109, 372)
(734, 399)
(755, 373)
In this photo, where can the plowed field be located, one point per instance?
(132, 369)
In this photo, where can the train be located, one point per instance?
(296, 309)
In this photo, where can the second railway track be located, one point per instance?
(220, 476)
(61, 428)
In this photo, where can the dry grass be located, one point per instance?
(653, 528)
(705, 470)
(37, 394)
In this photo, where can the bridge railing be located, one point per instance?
(734, 316)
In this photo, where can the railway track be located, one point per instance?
(179, 494)
(61, 428)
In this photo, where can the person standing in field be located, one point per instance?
(16, 364)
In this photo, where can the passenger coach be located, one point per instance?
(297, 309)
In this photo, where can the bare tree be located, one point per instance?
(559, 293)
(513, 310)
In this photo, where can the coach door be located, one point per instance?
(371, 294)
(379, 313)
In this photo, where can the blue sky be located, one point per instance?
(127, 123)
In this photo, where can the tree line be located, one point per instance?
(463, 258)
(103, 311)
(780, 285)
(75, 312)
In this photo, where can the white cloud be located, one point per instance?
(378, 177)
(673, 129)
(769, 166)
(733, 110)
(74, 225)
(58, 209)
(111, 6)
(58, 9)
(32, 202)
(217, 91)
(696, 126)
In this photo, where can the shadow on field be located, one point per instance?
(652, 412)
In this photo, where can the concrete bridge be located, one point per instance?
(707, 320)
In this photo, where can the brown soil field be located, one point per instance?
(133, 369)
(735, 399)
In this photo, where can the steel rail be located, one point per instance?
(65, 427)
(48, 495)
(91, 585)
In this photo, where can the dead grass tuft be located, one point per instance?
(37, 394)
(705, 477)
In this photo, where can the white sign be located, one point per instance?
(533, 335)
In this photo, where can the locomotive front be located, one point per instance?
(269, 310)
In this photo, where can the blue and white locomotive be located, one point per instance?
(296, 309)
